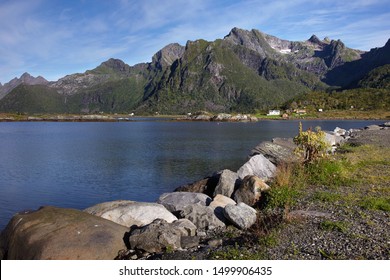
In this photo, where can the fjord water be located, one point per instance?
(78, 165)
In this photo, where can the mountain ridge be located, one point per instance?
(246, 70)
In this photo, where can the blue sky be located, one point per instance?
(53, 38)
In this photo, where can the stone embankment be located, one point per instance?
(185, 219)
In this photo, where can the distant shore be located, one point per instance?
(204, 116)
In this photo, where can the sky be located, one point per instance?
(54, 38)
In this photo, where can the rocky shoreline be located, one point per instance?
(187, 223)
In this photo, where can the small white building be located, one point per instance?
(273, 113)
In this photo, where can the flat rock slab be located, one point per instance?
(259, 166)
(285, 142)
(130, 213)
(176, 201)
(277, 154)
(240, 215)
(52, 233)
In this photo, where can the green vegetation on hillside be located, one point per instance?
(33, 99)
(357, 99)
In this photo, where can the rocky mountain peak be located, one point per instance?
(253, 40)
(167, 55)
(315, 40)
(25, 78)
(116, 64)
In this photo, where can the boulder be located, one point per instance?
(62, 234)
(250, 190)
(221, 201)
(202, 118)
(160, 235)
(222, 117)
(340, 131)
(186, 227)
(203, 217)
(206, 185)
(275, 153)
(156, 237)
(189, 241)
(176, 201)
(285, 142)
(129, 213)
(333, 139)
(257, 165)
(240, 215)
(373, 127)
(227, 182)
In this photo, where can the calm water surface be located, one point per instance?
(81, 164)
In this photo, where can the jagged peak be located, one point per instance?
(167, 55)
(31, 80)
(25, 75)
(114, 63)
(315, 40)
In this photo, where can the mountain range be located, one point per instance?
(245, 71)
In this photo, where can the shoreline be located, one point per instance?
(5, 117)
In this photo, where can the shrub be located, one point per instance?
(311, 144)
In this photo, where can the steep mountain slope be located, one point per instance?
(349, 73)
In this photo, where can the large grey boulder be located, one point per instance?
(218, 204)
(203, 217)
(250, 190)
(259, 166)
(277, 154)
(176, 201)
(227, 182)
(155, 237)
(52, 233)
(129, 213)
(240, 215)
